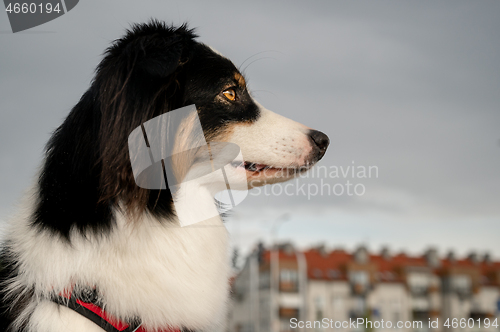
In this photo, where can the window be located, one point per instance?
(289, 280)
(319, 304)
(419, 283)
(359, 278)
(360, 281)
(264, 280)
(462, 284)
(317, 273)
(337, 303)
(333, 274)
(359, 305)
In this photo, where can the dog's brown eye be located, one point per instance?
(229, 94)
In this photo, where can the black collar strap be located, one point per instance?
(86, 305)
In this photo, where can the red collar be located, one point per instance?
(88, 307)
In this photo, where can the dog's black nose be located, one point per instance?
(321, 141)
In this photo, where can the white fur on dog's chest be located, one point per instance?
(166, 274)
(178, 274)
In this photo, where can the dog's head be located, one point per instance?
(153, 70)
(171, 68)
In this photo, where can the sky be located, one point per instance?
(409, 90)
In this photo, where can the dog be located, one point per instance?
(90, 250)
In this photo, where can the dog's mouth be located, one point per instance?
(258, 174)
(256, 168)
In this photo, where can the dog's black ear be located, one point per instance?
(161, 51)
(151, 49)
(160, 61)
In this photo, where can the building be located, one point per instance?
(280, 286)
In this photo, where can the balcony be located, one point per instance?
(360, 282)
(290, 300)
(359, 289)
(289, 312)
(289, 287)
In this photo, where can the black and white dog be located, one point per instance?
(90, 250)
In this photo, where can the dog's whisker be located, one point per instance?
(258, 53)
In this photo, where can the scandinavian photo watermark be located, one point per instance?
(362, 323)
(334, 180)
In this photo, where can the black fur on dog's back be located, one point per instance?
(5, 272)
(9, 312)
(87, 167)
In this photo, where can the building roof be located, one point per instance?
(336, 265)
